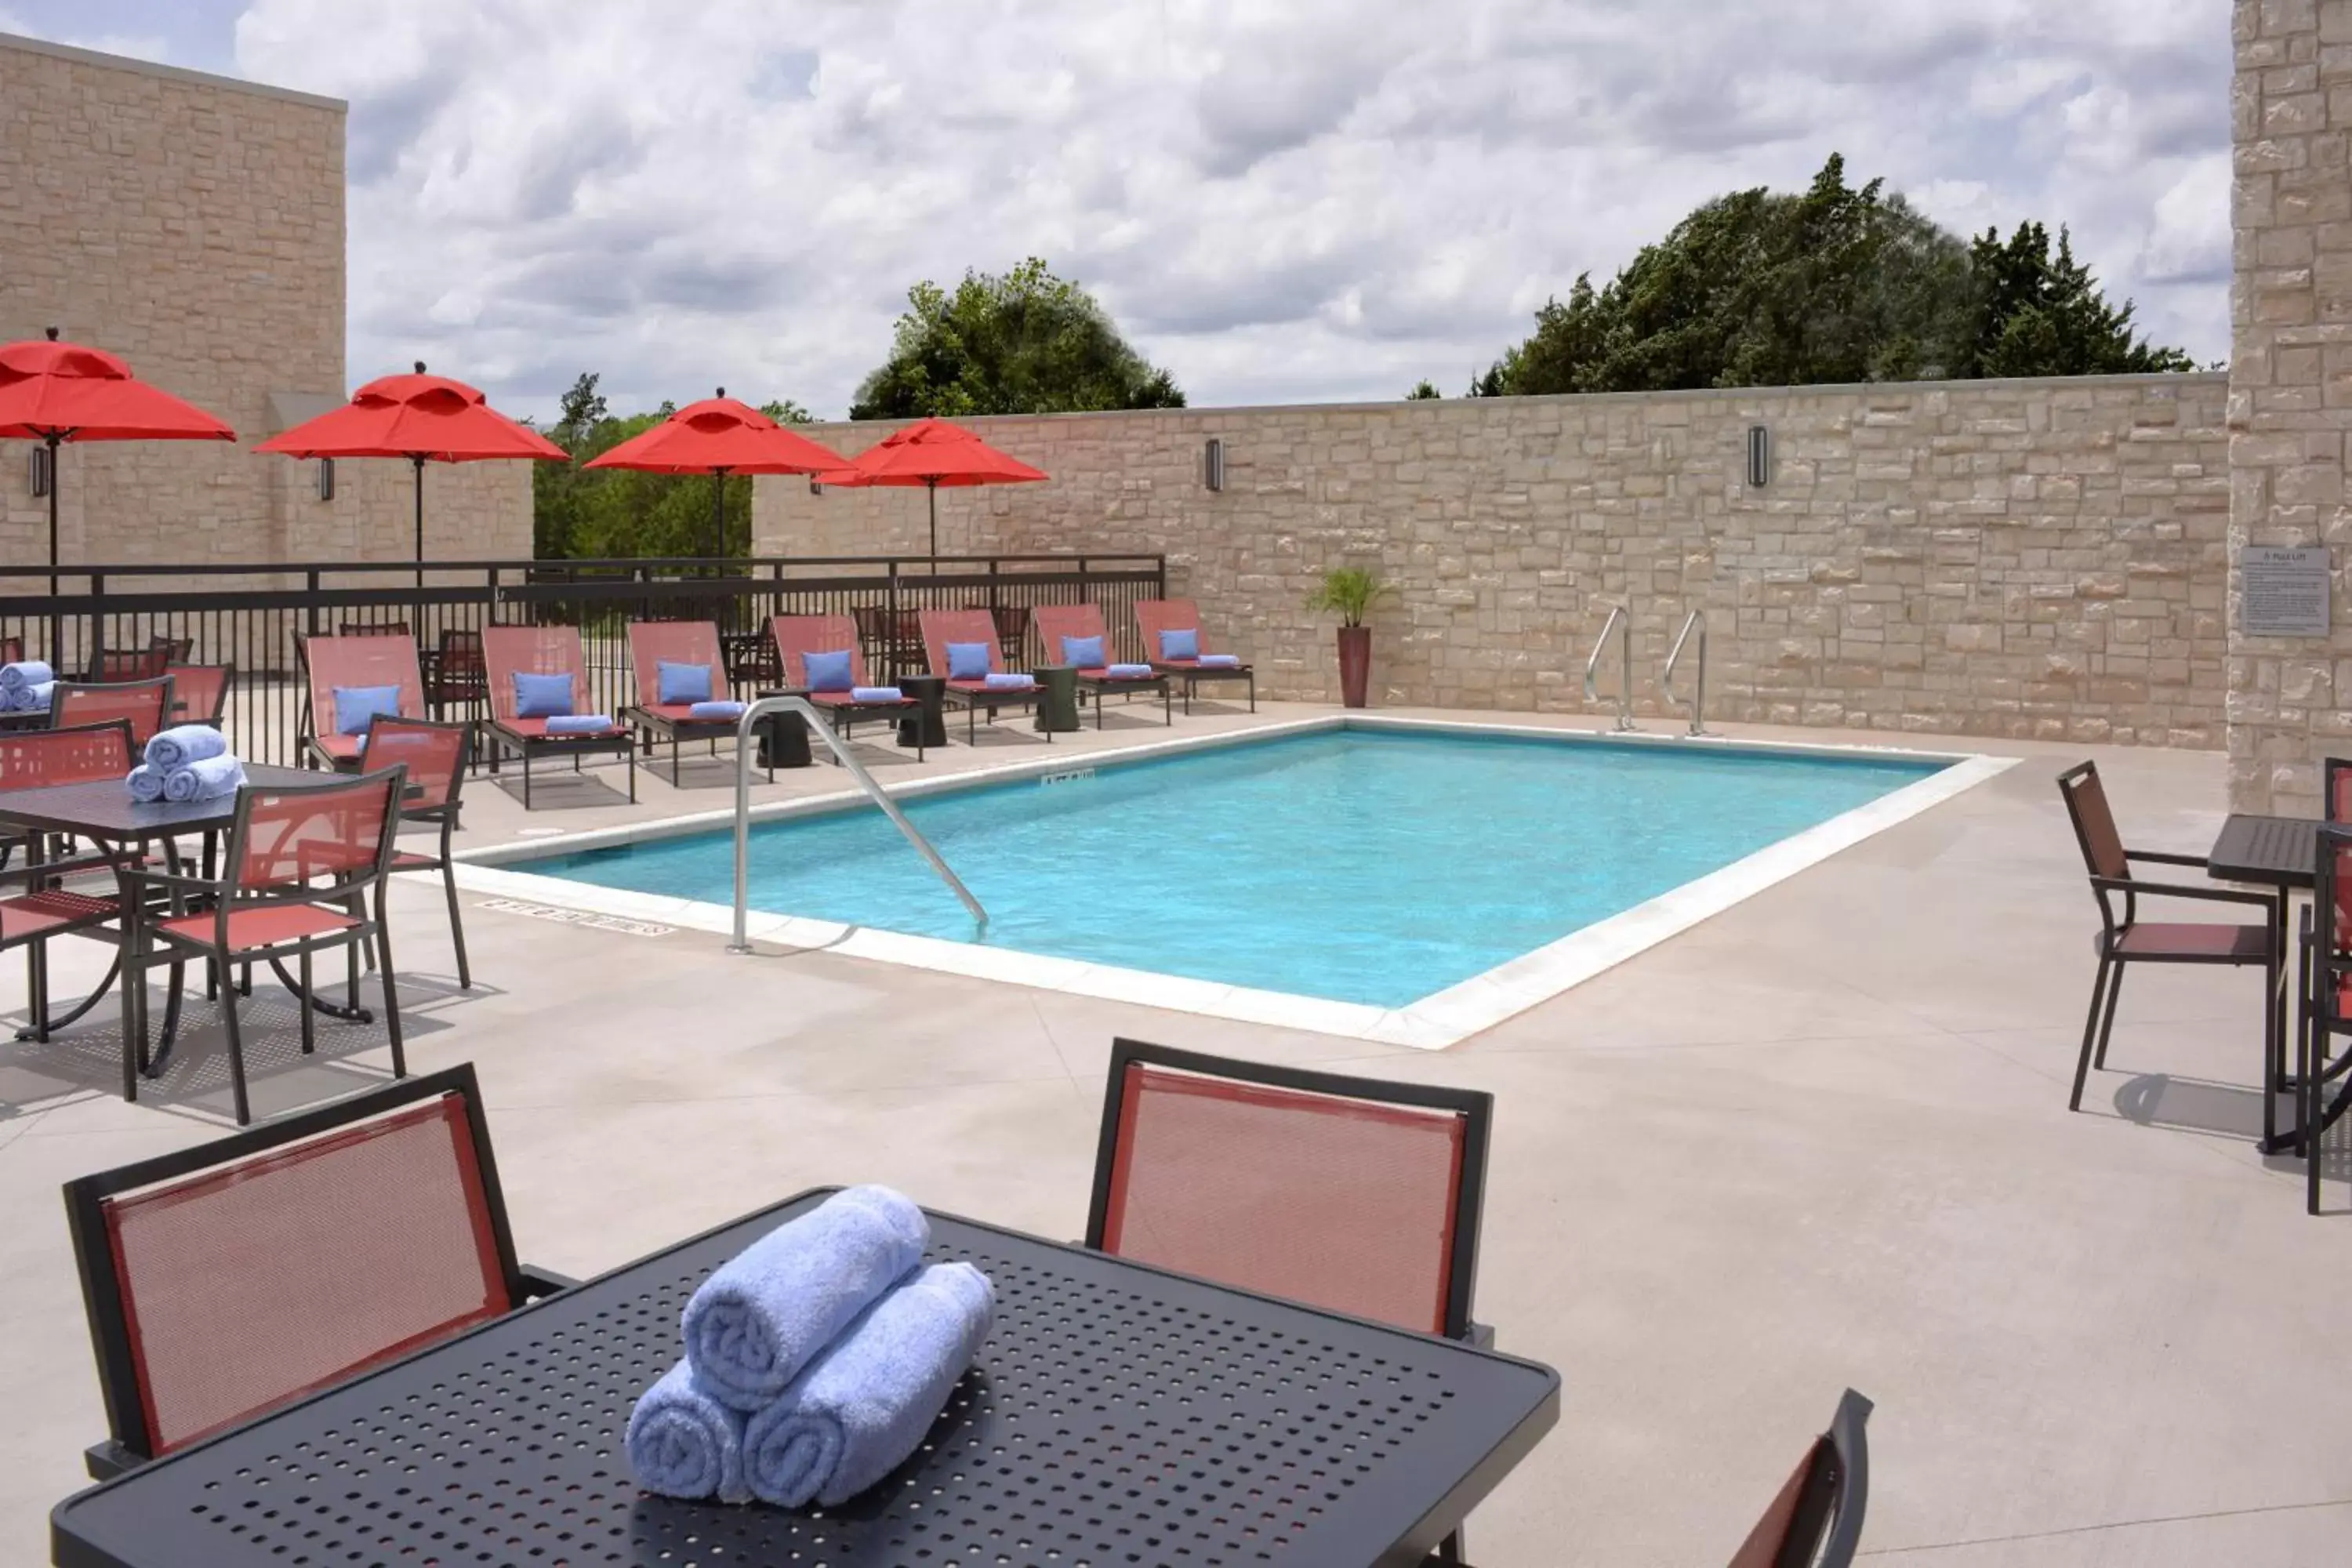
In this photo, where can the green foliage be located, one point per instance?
(1349, 593)
(1424, 390)
(1837, 284)
(1022, 342)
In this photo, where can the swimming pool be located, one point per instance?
(1360, 864)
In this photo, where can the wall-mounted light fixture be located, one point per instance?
(40, 476)
(815, 488)
(1213, 470)
(326, 478)
(1759, 456)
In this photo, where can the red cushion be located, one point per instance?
(844, 699)
(2236, 943)
(35, 913)
(535, 730)
(263, 927)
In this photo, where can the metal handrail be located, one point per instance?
(1622, 625)
(1698, 689)
(823, 732)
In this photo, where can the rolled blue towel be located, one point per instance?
(683, 1443)
(876, 694)
(1127, 671)
(1000, 680)
(209, 780)
(578, 724)
(35, 699)
(720, 708)
(866, 1404)
(181, 744)
(762, 1314)
(145, 782)
(1220, 661)
(26, 672)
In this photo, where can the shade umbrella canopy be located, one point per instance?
(932, 453)
(424, 418)
(54, 393)
(719, 436)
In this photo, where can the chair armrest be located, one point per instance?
(2165, 858)
(106, 1460)
(537, 1282)
(2268, 901)
(1481, 1335)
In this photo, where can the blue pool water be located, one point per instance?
(1361, 866)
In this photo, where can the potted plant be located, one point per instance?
(1349, 592)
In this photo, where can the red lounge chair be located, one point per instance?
(144, 705)
(941, 628)
(797, 637)
(653, 643)
(1153, 616)
(354, 660)
(1057, 622)
(507, 651)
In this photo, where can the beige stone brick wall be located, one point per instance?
(2290, 411)
(195, 226)
(2036, 558)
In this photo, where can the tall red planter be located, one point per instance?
(1355, 665)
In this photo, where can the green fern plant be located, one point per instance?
(1349, 593)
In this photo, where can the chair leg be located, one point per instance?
(236, 1055)
(2107, 1019)
(2090, 1031)
(526, 781)
(2307, 1104)
(391, 997)
(303, 1004)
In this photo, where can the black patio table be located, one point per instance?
(2280, 853)
(1117, 1415)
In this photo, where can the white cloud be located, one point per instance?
(1308, 198)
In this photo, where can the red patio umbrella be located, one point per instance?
(54, 392)
(420, 417)
(931, 453)
(719, 436)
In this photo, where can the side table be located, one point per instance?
(929, 726)
(1057, 703)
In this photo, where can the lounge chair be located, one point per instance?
(941, 628)
(1060, 625)
(508, 651)
(797, 637)
(653, 643)
(1154, 618)
(357, 662)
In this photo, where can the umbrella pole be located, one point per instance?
(932, 489)
(417, 460)
(51, 440)
(717, 513)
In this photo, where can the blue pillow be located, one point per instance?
(1086, 653)
(828, 672)
(1185, 644)
(356, 706)
(681, 682)
(968, 660)
(542, 696)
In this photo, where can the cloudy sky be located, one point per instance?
(1280, 200)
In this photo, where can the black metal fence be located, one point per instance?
(253, 615)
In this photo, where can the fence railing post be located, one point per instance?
(96, 638)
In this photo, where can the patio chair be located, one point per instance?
(653, 643)
(2124, 938)
(508, 651)
(1155, 618)
(941, 628)
(176, 650)
(372, 628)
(119, 665)
(12, 650)
(304, 864)
(200, 693)
(1354, 1195)
(797, 637)
(434, 753)
(145, 705)
(37, 758)
(2338, 796)
(891, 638)
(1058, 625)
(386, 1231)
(353, 662)
(456, 677)
(1816, 1519)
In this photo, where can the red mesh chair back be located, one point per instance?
(227, 1279)
(653, 643)
(797, 637)
(200, 691)
(373, 628)
(144, 705)
(1815, 1521)
(2338, 791)
(431, 751)
(175, 650)
(1153, 616)
(941, 628)
(12, 650)
(508, 651)
(361, 660)
(1055, 622)
(1349, 1194)
(126, 664)
(295, 836)
(34, 759)
(460, 669)
(2095, 824)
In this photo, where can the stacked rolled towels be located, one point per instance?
(185, 762)
(816, 1360)
(27, 685)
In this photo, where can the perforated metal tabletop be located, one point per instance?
(1117, 1415)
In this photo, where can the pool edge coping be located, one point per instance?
(1442, 1018)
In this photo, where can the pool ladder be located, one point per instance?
(1622, 625)
(823, 732)
(1697, 618)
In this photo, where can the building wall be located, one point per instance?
(194, 225)
(2290, 411)
(2034, 558)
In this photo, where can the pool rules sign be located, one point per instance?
(2285, 590)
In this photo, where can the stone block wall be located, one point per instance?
(2033, 558)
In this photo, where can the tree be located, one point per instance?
(1836, 284)
(1423, 390)
(1021, 343)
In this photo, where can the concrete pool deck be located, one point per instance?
(1819, 1139)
